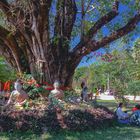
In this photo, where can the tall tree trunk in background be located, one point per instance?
(134, 98)
(28, 46)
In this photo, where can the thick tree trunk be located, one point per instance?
(52, 68)
(30, 47)
(49, 73)
(134, 98)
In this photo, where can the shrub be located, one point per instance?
(38, 120)
(69, 93)
(49, 121)
(33, 89)
(55, 103)
(88, 119)
(105, 109)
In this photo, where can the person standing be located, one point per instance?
(84, 91)
(97, 92)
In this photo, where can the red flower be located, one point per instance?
(45, 83)
(49, 88)
(63, 88)
(103, 59)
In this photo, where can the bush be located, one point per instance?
(49, 121)
(105, 109)
(88, 119)
(33, 89)
(18, 120)
(69, 93)
(55, 103)
(38, 120)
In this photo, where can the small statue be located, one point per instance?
(18, 87)
(18, 96)
(57, 92)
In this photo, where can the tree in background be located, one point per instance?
(123, 71)
(6, 72)
(37, 36)
(134, 83)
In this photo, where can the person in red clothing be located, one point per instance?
(137, 107)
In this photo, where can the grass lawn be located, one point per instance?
(116, 133)
(112, 104)
(120, 132)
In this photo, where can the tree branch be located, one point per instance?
(98, 25)
(41, 13)
(129, 27)
(65, 18)
(89, 3)
(40, 24)
(45, 8)
(4, 5)
(93, 45)
(6, 52)
(9, 40)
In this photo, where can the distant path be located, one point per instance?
(110, 97)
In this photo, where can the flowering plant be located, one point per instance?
(55, 103)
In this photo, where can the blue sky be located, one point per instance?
(132, 38)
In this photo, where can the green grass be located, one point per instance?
(111, 104)
(116, 133)
(120, 132)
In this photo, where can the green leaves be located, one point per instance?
(6, 72)
(123, 71)
(134, 87)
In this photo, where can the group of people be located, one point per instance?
(85, 96)
(125, 118)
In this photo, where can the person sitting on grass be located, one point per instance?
(135, 117)
(122, 116)
(136, 108)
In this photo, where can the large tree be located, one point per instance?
(37, 36)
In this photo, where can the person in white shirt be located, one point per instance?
(120, 114)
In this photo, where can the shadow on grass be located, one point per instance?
(116, 133)
(119, 132)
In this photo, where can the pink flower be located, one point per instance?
(37, 85)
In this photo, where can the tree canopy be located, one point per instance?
(49, 38)
(123, 72)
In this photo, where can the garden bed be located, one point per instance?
(40, 120)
